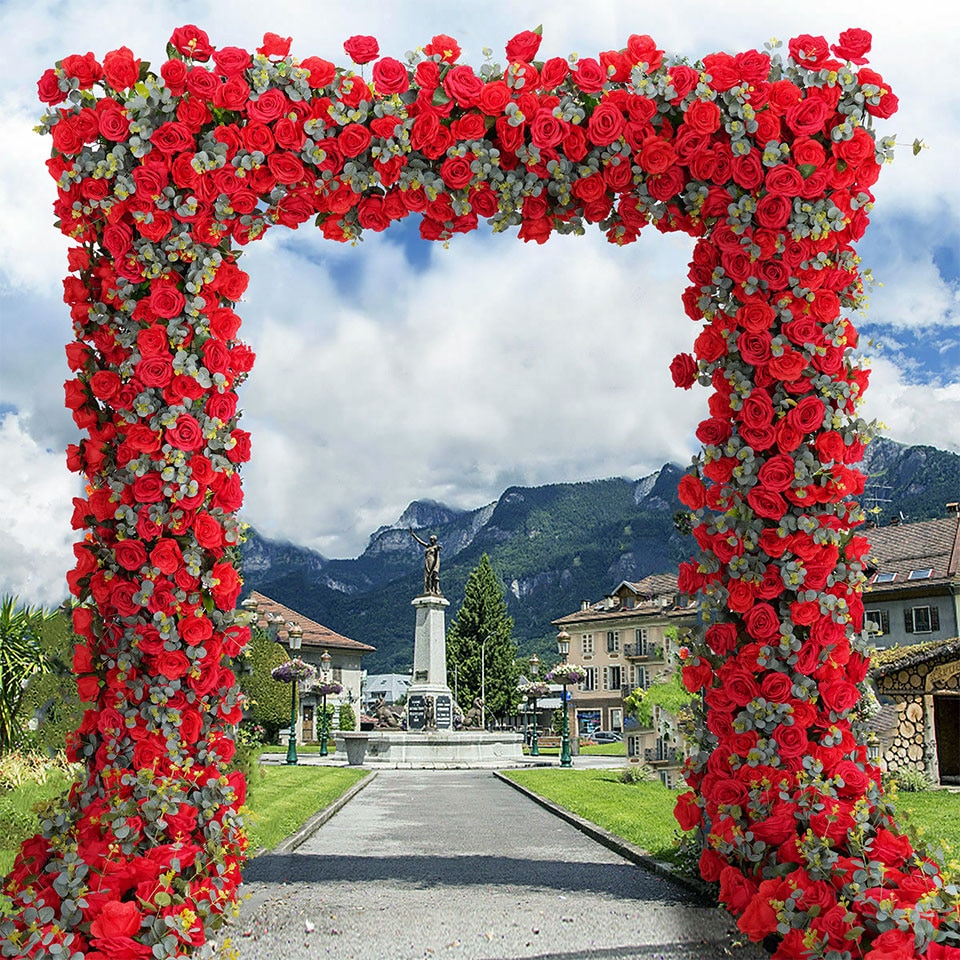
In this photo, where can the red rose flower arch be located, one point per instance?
(766, 158)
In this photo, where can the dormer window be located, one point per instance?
(885, 578)
(924, 573)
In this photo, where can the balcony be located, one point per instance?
(660, 755)
(640, 651)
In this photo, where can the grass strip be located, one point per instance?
(639, 812)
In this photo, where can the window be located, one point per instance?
(921, 619)
(639, 677)
(590, 681)
(640, 639)
(586, 644)
(612, 678)
(628, 603)
(616, 719)
(925, 574)
(885, 578)
(876, 622)
(338, 674)
(613, 641)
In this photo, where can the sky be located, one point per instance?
(398, 370)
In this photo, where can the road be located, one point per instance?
(456, 864)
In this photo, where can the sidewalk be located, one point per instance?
(456, 864)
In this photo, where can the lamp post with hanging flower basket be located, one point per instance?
(533, 690)
(325, 688)
(293, 671)
(565, 673)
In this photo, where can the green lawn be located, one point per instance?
(643, 813)
(640, 812)
(935, 814)
(593, 749)
(282, 799)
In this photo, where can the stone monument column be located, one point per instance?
(429, 699)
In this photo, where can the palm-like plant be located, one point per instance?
(21, 656)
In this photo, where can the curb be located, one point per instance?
(289, 844)
(626, 849)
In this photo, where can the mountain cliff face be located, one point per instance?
(552, 546)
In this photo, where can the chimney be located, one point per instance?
(584, 604)
(953, 509)
(894, 521)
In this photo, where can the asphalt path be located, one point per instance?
(456, 864)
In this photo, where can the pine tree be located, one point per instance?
(484, 615)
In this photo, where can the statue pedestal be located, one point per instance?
(429, 699)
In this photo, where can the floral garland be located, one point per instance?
(767, 158)
(293, 671)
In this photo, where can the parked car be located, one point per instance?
(606, 736)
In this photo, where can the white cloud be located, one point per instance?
(541, 364)
(36, 492)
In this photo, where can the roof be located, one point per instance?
(898, 550)
(314, 634)
(654, 596)
(892, 659)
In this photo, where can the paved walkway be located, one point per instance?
(456, 864)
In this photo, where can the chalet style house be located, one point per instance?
(628, 640)
(913, 591)
(345, 657)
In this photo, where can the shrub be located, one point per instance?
(348, 720)
(906, 780)
(637, 773)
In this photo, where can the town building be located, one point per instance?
(345, 660)
(628, 640)
(912, 593)
(392, 687)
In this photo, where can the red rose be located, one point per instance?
(703, 116)
(84, 69)
(231, 61)
(117, 919)
(48, 88)
(166, 556)
(839, 696)
(554, 72)
(687, 812)
(121, 69)
(762, 622)
(172, 664)
(758, 918)
(523, 46)
(444, 47)
(361, 49)
(736, 890)
(192, 42)
(642, 49)
(463, 85)
(855, 780)
(807, 117)
(194, 630)
(208, 532)
(606, 124)
(887, 101)
(722, 637)
(696, 676)
(757, 410)
(275, 46)
(766, 503)
(777, 473)
(130, 554)
(589, 75)
(322, 72)
(88, 688)
(854, 43)
(354, 139)
(808, 51)
(807, 415)
(710, 345)
(390, 76)
(791, 741)
(185, 434)
(656, 154)
(714, 431)
(683, 369)
(691, 492)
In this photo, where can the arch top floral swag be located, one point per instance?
(767, 158)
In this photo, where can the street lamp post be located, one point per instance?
(483, 681)
(563, 649)
(325, 668)
(294, 635)
(534, 671)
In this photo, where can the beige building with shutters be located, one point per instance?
(622, 641)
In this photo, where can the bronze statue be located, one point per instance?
(385, 717)
(474, 716)
(431, 564)
(429, 715)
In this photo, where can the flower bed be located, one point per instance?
(767, 158)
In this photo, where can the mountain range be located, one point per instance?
(552, 547)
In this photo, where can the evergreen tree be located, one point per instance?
(484, 616)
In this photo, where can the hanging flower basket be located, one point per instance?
(534, 688)
(568, 673)
(293, 671)
(327, 689)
